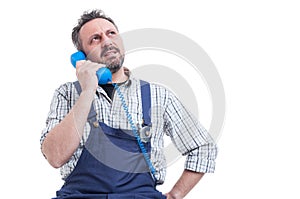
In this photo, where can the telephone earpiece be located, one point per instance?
(103, 74)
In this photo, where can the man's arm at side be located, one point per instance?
(185, 184)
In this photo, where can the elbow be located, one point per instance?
(55, 162)
(53, 157)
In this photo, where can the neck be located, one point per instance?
(119, 76)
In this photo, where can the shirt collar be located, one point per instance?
(127, 83)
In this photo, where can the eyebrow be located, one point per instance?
(93, 35)
(107, 31)
(112, 29)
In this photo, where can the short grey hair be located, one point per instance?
(86, 17)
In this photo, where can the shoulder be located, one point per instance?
(66, 89)
(160, 93)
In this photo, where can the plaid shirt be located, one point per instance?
(168, 116)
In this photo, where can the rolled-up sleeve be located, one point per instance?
(202, 159)
(190, 137)
(59, 108)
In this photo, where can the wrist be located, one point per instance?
(90, 92)
(174, 195)
(87, 96)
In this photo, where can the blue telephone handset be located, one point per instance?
(103, 74)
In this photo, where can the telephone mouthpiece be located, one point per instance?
(104, 75)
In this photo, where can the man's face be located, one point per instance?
(102, 43)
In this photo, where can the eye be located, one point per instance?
(95, 38)
(112, 33)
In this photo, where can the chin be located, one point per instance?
(115, 65)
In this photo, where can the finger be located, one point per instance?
(99, 66)
(80, 63)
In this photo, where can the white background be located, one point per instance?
(254, 45)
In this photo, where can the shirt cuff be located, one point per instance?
(202, 159)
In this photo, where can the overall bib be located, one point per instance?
(111, 165)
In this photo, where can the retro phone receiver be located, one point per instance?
(104, 75)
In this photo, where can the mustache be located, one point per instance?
(108, 48)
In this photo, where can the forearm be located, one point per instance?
(62, 141)
(185, 184)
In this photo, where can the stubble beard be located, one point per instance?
(114, 64)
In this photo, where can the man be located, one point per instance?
(88, 133)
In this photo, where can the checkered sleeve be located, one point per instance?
(59, 108)
(190, 137)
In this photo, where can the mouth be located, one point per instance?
(110, 51)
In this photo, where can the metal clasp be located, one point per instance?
(96, 124)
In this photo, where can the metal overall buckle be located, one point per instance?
(145, 132)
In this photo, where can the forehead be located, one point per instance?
(96, 25)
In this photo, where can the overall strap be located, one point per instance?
(92, 114)
(146, 102)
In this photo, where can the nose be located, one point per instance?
(106, 41)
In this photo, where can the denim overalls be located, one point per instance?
(111, 165)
